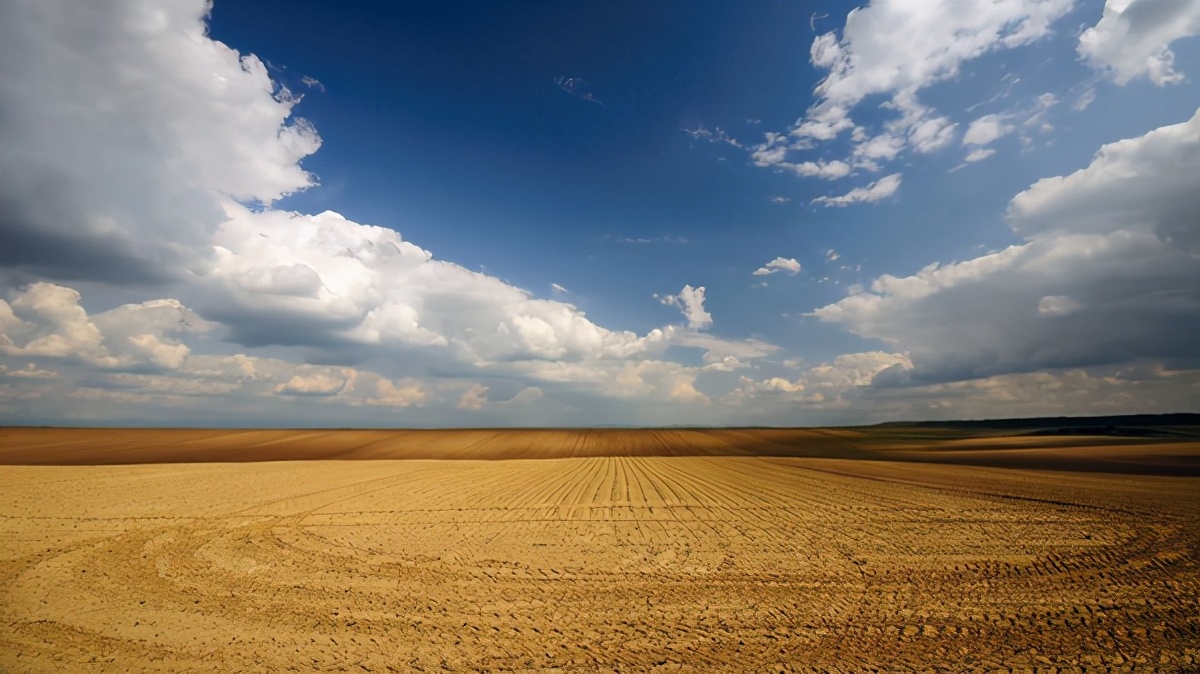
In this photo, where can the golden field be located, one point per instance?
(597, 550)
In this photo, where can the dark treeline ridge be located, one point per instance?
(1183, 419)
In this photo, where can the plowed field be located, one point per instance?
(602, 563)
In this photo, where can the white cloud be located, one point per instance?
(366, 287)
(884, 146)
(898, 48)
(853, 369)
(1107, 274)
(828, 170)
(780, 200)
(558, 288)
(126, 187)
(828, 383)
(774, 152)
(717, 135)
(979, 154)
(876, 191)
(46, 320)
(1133, 37)
(314, 384)
(690, 301)
(398, 394)
(789, 265)
(987, 129)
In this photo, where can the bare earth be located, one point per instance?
(734, 550)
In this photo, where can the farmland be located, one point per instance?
(611, 550)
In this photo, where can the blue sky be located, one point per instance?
(598, 213)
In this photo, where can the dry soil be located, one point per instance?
(618, 561)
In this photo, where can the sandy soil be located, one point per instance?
(603, 563)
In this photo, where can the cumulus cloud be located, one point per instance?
(831, 383)
(314, 384)
(877, 55)
(126, 188)
(46, 320)
(690, 301)
(205, 142)
(1132, 38)
(876, 191)
(789, 265)
(352, 285)
(774, 152)
(1107, 274)
(398, 394)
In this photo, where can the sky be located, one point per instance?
(465, 213)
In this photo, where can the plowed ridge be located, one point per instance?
(596, 563)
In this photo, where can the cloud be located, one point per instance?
(788, 265)
(1066, 392)
(473, 398)
(315, 384)
(127, 188)
(979, 154)
(46, 320)
(577, 87)
(876, 54)
(830, 383)
(1106, 275)
(1057, 305)
(773, 154)
(717, 349)
(325, 281)
(1132, 39)
(1085, 99)
(558, 289)
(312, 83)
(666, 238)
(876, 191)
(690, 301)
(780, 200)
(398, 394)
(717, 135)
(987, 129)
(29, 371)
(885, 146)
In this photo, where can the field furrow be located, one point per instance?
(630, 563)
